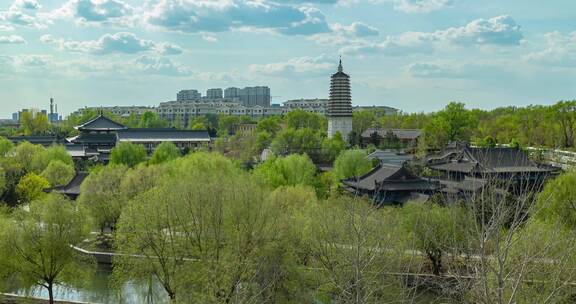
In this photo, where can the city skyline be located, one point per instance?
(414, 55)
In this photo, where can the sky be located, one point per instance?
(414, 55)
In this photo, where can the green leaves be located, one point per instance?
(128, 154)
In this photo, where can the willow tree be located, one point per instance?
(39, 244)
(202, 233)
(102, 196)
(357, 247)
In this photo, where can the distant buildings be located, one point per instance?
(317, 106)
(186, 110)
(188, 95)
(122, 111)
(248, 96)
(339, 110)
(214, 93)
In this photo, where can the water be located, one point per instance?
(99, 290)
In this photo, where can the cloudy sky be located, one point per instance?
(415, 55)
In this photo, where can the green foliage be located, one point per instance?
(437, 230)
(25, 153)
(454, 122)
(3, 181)
(304, 140)
(332, 147)
(151, 120)
(39, 242)
(128, 154)
(102, 197)
(270, 125)
(351, 163)
(34, 125)
(356, 246)
(189, 217)
(58, 173)
(556, 201)
(363, 120)
(287, 171)
(54, 153)
(6, 146)
(166, 151)
(300, 119)
(31, 187)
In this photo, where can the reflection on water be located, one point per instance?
(99, 290)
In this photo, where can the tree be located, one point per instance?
(454, 122)
(101, 195)
(166, 151)
(189, 218)
(151, 120)
(41, 160)
(34, 125)
(39, 243)
(271, 125)
(31, 187)
(356, 247)
(363, 120)
(25, 153)
(557, 202)
(3, 182)
(304, 140)
(300, 119)
(6, 146)
(565, 115)
(437, 230)
(128, 154)
(351, 163)
(58, 173)
(287, 171)
(332, 147)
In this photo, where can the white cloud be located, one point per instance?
(12, 39)
(421, 6)
(202, 16)
(407, 6)
(25, 4)
(115, 12)
(484, 69)
(560, 50)
(23, 13)
(122, 42)
(299, 65)
(497, 31)
(6, 28)
(160, 66)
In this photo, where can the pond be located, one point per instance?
(99, 290)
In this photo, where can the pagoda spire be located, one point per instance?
(340, 69)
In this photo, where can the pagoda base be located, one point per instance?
(339, 124)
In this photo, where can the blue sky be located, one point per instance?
(415, 55)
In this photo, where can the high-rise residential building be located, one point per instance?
(339, 110)
(214, 93)
(250, 96)
(188, 95)
(232, 92)
(16, 117)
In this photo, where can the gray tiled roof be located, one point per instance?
(73, 187)
(487, 160)
(391, 176)
(101, 123)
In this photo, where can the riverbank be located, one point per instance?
(6, 298)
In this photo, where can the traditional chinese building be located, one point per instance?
(100, 135)
(391, 184)
(339, 110)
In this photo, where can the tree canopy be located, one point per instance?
(128, 154)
